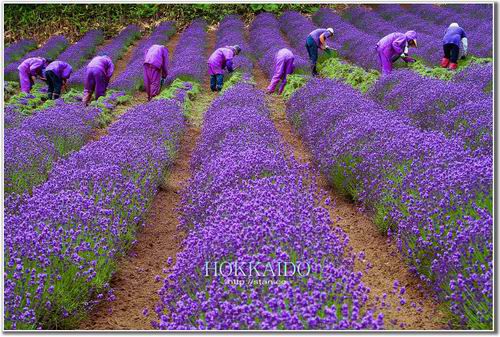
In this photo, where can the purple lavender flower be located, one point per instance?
(51, 49)
(16, 50)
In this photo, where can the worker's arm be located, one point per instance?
(229, 65)
(164, 67)
(398, 43)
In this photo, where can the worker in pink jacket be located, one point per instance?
(283, 66)
(221, 59)
(155, 69)
(29, 69)
(97, 76)
(57, 74)
(393, 46)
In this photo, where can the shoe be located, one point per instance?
(452, 66)
(444, 62)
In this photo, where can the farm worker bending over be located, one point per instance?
(29, 69)
(57, 73)
(394, 46)
(155, 69)
(97, 76)
(283, 66)
(453, 39)
(219, 60)
(317, 39)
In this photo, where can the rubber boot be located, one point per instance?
(55, 96)
(49, 95)
(444, 62)
(452, 66)
(314, 71)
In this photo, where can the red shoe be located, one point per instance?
(452, 66)
(444, 62)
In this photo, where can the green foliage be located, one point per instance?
(293, 83)
(10, 89)
(38, 20)
(442, 73)
(234, 78)
(176, 85)
(357, 77)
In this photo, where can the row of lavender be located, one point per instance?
(433, 192)
(231, 31)
(62, 242)
(33, 146)
(189, 61)
(131, 79)
(462, 111)
(50, 49)
(434, 104)
(16, 50)
(245, 186)
(115, 49)
(266, 40)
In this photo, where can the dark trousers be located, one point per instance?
(451, 51)
(54, 83)
(216, 82)
(312, 50)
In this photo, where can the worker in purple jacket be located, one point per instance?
(29, 69)
(317, 39)
(393, 46)
(57, 74)
(155, 69)
(283, 66)
(221, 59)
(97, 76)
(454, 46)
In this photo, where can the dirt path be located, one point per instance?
(386, 263)
(134, 282)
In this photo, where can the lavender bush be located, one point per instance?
(433, 192)
(131, 79)
(77, 53)
(115, 50)
(51, 48)
(266, 41)
(246, 187)
(189, 61)
(61, 244)
(16, 50)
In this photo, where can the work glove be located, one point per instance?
(463, 57)
(408, 59)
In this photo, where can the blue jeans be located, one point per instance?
(312, 50)
(216, 82)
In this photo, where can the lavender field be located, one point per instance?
(353, 200)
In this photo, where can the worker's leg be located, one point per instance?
(446, 58)
(101, 84)
(220, 81)
(57, 86)
(89, 87)
(385, 62)
(454, 52)
(153, 76)
(147, 87)
(213, 82)
(278, 74)
(312, 50)
(25, 82)
(50, 84)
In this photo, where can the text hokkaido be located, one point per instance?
(257, 269)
